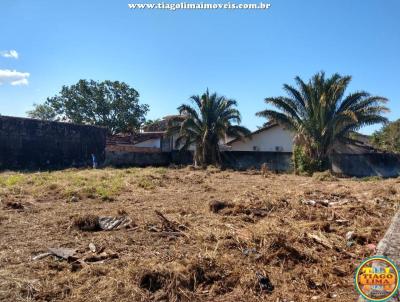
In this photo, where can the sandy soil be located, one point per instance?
(218, 235)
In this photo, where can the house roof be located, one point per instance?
(132, 139)
(354, 147)
(162, 124)
(267, 127)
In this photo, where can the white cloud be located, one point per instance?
(13, 77)
(12, 54)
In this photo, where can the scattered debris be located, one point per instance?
(100, 257)
(309, 202)
(340, 272)
(167, 225)
(73, 199)
(14, 205)
(350, 235)
(216, 206)
(92, 223)
(320, 240)
(281, 249)
(332, 295)
(87, 223)
(92, 247)
(342, 221)
(41, 256)
(77, 260)
(63, 253)
(252, 252)
(325, 202)
(112, 223)
(265, 229)
(265, 283)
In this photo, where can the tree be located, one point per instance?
(114, 105)
(204, 125)
(43, 112)
(321, 116)
(388, 138)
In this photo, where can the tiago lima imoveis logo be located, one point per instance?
(377, 279)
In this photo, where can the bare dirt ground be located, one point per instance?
(188, 235)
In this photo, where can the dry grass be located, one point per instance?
(199, 235)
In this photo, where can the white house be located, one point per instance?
(271, 138)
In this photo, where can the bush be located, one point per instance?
(303, 164)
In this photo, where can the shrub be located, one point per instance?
(303, 164)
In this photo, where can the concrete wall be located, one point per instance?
(141, 159)
(271, 140)
(276, 161)
(242, 160)
(358, 165)
(34, 144)
(371, 164)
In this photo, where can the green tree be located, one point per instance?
(114, 105)
(388, 138)
(320, 115)
(43, 112)
(207, 123)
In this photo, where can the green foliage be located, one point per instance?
(303, 163)
(321, 116)
(43, 112)
(114, 105)
(206, 124)
(388, 138)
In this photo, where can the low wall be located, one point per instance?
(34, 144)
(358, 165)
(143, 159)
(242, 160)
(363, 165)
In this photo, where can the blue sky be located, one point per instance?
(170, 55)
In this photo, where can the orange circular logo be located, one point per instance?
(377, 279)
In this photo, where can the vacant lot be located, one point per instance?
(187, 235)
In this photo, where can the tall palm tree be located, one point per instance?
(321, 115)
(207, 123)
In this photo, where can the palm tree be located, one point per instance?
(321, 115)
(207, 123)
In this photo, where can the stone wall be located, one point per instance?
(34, 144)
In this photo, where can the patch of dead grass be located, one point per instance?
(209, 251)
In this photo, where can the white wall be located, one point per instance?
(150, 143)
(266, 140)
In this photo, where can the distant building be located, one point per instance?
(271, 138)
(152, 138)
